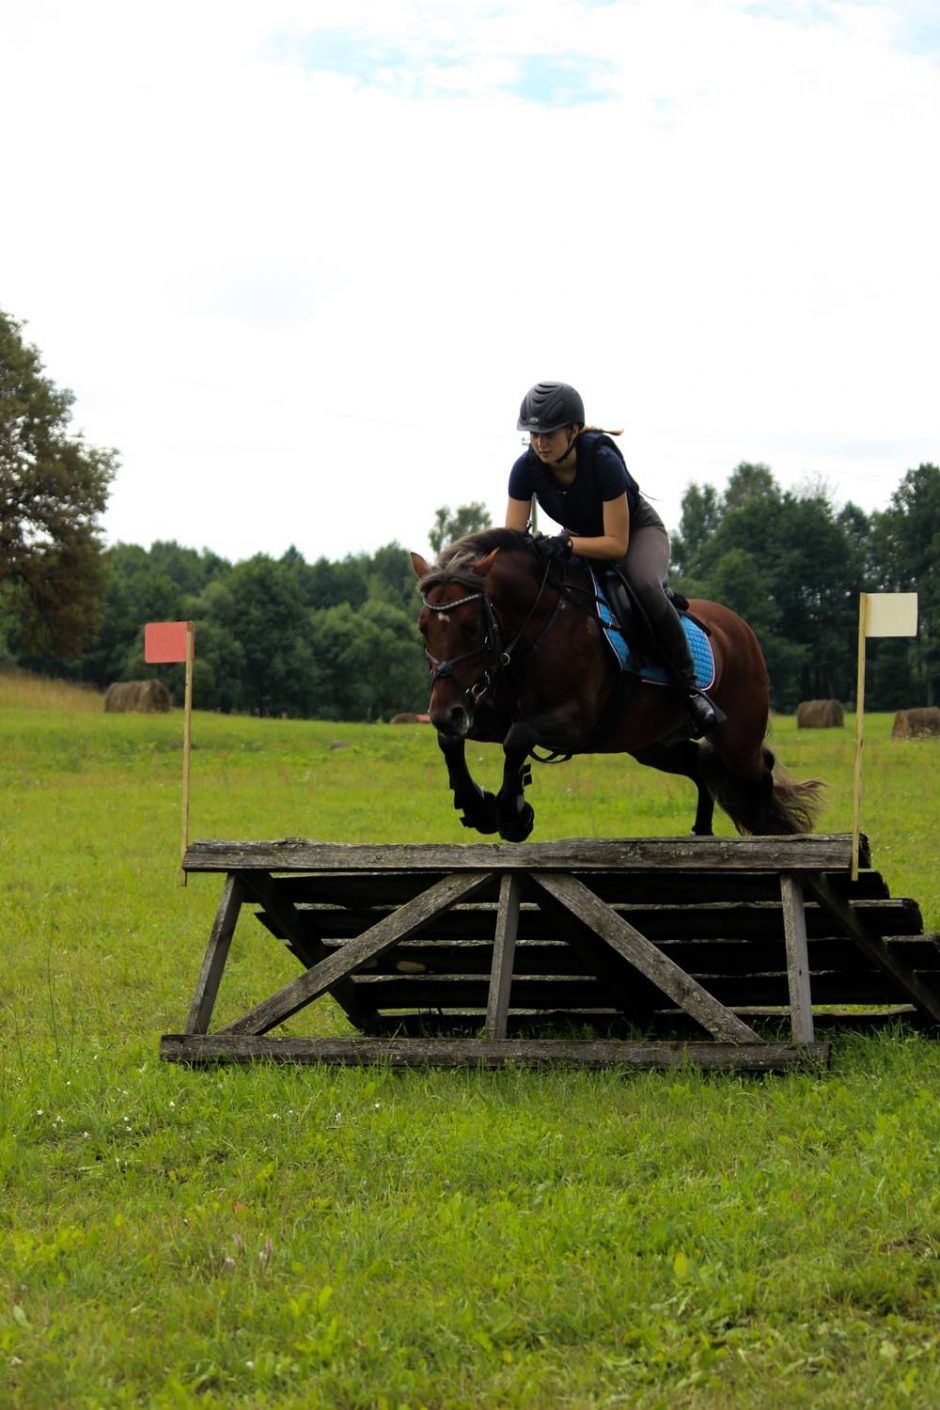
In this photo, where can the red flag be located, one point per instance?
(166, 641)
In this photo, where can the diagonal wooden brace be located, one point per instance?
(647, 958)
(922, 995)
(355, 953)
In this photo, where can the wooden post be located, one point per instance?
(798, 983)
(187, 739)
(863, 611)
(504, 948)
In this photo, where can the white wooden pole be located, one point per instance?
(187, 739)
(863, 616)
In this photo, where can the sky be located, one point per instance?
(299, 260)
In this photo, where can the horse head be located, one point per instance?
(464, 634)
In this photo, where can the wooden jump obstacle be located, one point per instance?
(466, 955)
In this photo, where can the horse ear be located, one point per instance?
(420, 565)
(483, 565)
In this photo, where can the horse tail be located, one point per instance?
(773, 805)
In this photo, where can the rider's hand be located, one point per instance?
(554, 547)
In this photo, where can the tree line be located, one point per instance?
(338, 639)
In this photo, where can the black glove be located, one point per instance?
(554, 547)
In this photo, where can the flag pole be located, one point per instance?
(187, 740)
(863, 620)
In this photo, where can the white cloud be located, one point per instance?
(305, 304)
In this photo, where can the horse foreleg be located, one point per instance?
(516, 816)
(683, 758)
(477, 808)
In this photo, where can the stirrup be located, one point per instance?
(704, 714)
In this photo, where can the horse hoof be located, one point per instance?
(484, 815)
(518, 829)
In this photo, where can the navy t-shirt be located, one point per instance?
(601, 475)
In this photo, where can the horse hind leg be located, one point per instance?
(762, 801)
(683, 759)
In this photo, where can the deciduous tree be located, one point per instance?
(53, 487)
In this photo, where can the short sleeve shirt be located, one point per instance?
(601, 476)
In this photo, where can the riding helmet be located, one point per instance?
(550, 405)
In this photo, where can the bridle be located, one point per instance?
(501, 657)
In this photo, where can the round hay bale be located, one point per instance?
(144, 697)
(919, 723)
(819, 714)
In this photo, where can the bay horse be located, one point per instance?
(517, 657)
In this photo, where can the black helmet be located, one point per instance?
(549, 405)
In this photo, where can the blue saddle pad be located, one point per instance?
(703, 658)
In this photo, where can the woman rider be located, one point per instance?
(581, 480)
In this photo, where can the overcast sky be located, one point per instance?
(300, 259)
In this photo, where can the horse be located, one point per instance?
(516, 656)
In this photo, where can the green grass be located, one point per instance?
(339, 1238)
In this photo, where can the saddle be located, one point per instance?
(629, 637)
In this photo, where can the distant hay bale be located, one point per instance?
(920, 723)
(144, 697)
(819, 714)
(408, 717)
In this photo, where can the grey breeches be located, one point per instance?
(646, 562)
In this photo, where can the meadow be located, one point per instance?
(313, 1237)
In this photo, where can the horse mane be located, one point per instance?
(455, 564)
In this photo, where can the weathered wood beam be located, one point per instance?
(804, 853)
(651, 962)
(483, 1053)
(504, 946)
(794, 933)
(220, 941)
(322, 976)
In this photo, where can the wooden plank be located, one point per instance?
(367, 889)
(794, 927)
(719, 921)
(644, 887)
(671, 1026)
(220, 940)
(924, 995)
(636, 999)
(645, 957)
(504, 945)
(387, 932)
(699, 958)
(475, 1052)
(445, 991)
(805, 853)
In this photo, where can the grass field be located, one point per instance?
(333, 1238)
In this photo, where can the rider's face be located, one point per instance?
(551, 446)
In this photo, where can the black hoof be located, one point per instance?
(483, 816)
(518, 828)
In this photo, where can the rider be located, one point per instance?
(581, 480)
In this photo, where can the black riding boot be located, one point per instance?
(674, 645)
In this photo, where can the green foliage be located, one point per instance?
(350, 1239)
(793, 568)
(52, 489)
(908, 538)
(450, 524)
